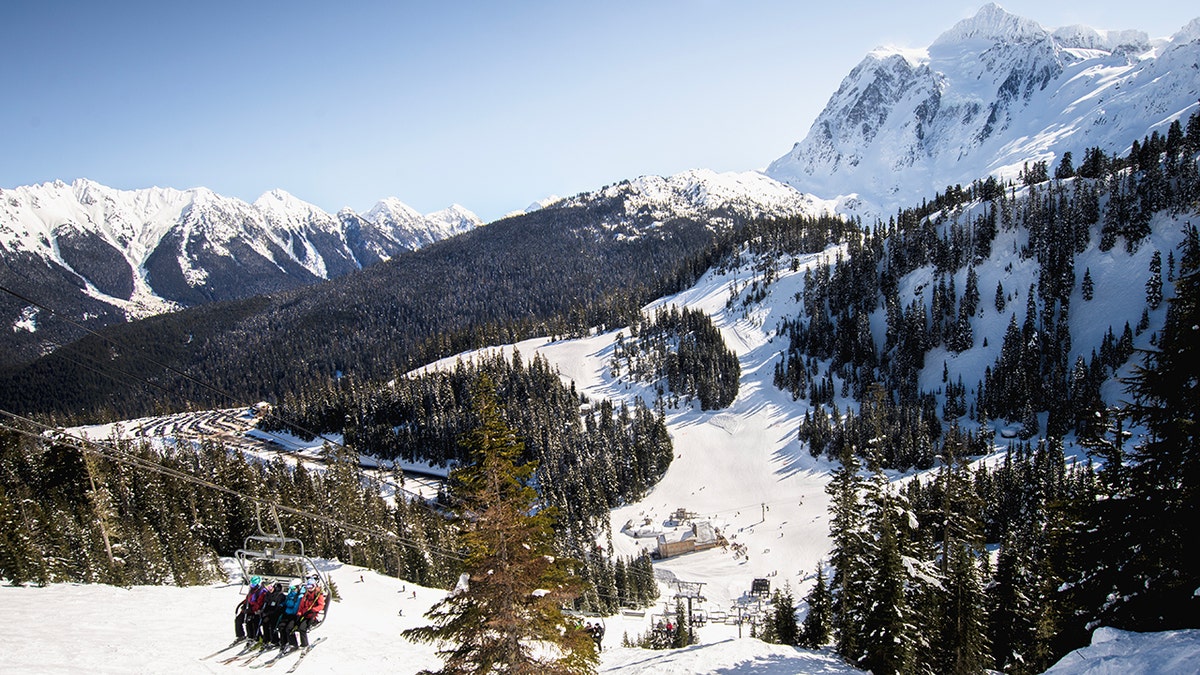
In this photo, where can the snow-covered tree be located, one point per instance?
(507, 617)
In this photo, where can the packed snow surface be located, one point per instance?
(72, 628)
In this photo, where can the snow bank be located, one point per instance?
(1117, 652)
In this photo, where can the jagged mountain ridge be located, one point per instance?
(991, 94)
(286, 232)
(103, 255)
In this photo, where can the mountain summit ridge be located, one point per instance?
(992, 93)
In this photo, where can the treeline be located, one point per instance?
(99, 516)
(1007, 567)
(616, 582)
(680, 352)
(592, 456)
(912, 586)
(832, 351)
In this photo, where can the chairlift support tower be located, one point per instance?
(691, 591)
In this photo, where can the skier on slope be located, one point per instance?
(308, 613)
(272, 611)
(248, 620)
(287, 620)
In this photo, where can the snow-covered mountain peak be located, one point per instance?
(1189, 33)
(1085, 37)
(413, 230)
(391, 209)
(992, 24)
(993, 93)
(718, 198)
(454, 211)
(282, 204)
(133, 253)
(452, 220)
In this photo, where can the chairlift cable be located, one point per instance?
(108, 452)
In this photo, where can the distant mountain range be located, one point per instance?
(102, 255)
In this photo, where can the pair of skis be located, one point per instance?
(254, 650)
(303, 653)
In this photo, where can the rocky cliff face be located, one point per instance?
(991, 94)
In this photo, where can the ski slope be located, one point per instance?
(740, 469)
(98, 629)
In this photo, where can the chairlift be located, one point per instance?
(281, 559)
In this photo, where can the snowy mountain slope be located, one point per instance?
(741, 469)
(736, 465)
(717, 198)
(991, 94)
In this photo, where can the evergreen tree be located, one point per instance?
(1014, 602)
(888, 638)
(1065, 169)
(1165, 477)
(848, 557)
(508, 618)
(817, 623)
(961, 645)
(1154, 284)
(783, 617)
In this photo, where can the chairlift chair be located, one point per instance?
(280, 558)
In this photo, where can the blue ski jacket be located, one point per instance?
(293, 601)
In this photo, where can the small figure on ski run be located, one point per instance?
(308, 613)
(272, 611)
(596, 630)
(249, 611)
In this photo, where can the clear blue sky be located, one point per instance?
(491, 105)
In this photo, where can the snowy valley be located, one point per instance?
(953, 380)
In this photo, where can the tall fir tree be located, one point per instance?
(508, 617)
(850, 582)
(783, 617)
(1165, 476)
(815, 631)
(888, 641)
(961, 645)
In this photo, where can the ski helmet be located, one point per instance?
(256, 580)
